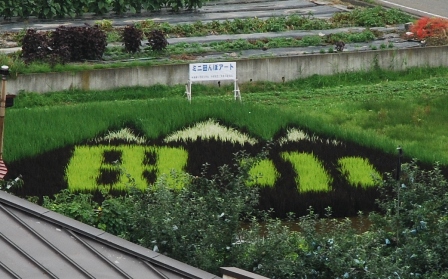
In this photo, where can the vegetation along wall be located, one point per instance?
(260, 69)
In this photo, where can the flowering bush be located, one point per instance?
(427, 27)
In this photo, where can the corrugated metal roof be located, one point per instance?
(38, 243)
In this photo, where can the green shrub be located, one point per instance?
(155, 5)
(80, 7)
(120, 7)
(193, 4)
(175, 5)
(98, 7)
(10, 8)
(311, 41)
(371, 17)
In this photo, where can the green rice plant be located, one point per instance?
(83, 169)
(310, 173)
(168, 160)
(263, 174)
(83, 173)
(132, 167)
(171, 164)
(359, 172)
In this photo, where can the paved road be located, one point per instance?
(431, 8)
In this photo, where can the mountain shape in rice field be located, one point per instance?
(301, 169)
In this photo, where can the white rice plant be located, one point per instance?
(296, 135)
(125, 134)
(210, 129)
(293, 135)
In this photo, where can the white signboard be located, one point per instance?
(213, 71)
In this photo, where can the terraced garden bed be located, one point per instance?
(293, 28)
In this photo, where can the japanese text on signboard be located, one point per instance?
(213, 71)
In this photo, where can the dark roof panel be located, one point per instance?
(8, 199)
(131, 247)
(71, 223)
(197, 273)
(38, 243)
(15, 264)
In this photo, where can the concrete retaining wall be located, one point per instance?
(262, 69)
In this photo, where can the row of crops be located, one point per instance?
(68, 8)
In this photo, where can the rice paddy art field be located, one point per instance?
(301, 169)
(327, 146)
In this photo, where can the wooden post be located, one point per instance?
(4, 73)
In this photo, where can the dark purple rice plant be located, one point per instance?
(156, 40)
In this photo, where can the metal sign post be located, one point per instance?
(212, 71)
(4, 72)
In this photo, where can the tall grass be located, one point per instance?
(33, 131)
(300, 88)
(377, 109)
